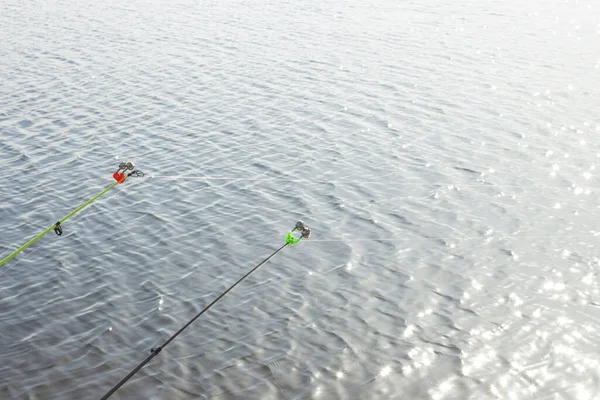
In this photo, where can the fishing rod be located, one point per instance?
(289, 240)
(120, 176)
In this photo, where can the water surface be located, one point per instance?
(443, 153)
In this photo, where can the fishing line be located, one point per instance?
(360, 181)
(289, 240)
(450, 238)
(459, 238)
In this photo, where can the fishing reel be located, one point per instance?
(121, 175)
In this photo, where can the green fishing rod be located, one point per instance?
(120, 176)
(289, 240)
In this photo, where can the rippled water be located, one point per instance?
(444, 154)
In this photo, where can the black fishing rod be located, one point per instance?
(289, 240)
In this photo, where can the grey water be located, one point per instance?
(444, 153)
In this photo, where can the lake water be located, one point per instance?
(444, 154)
